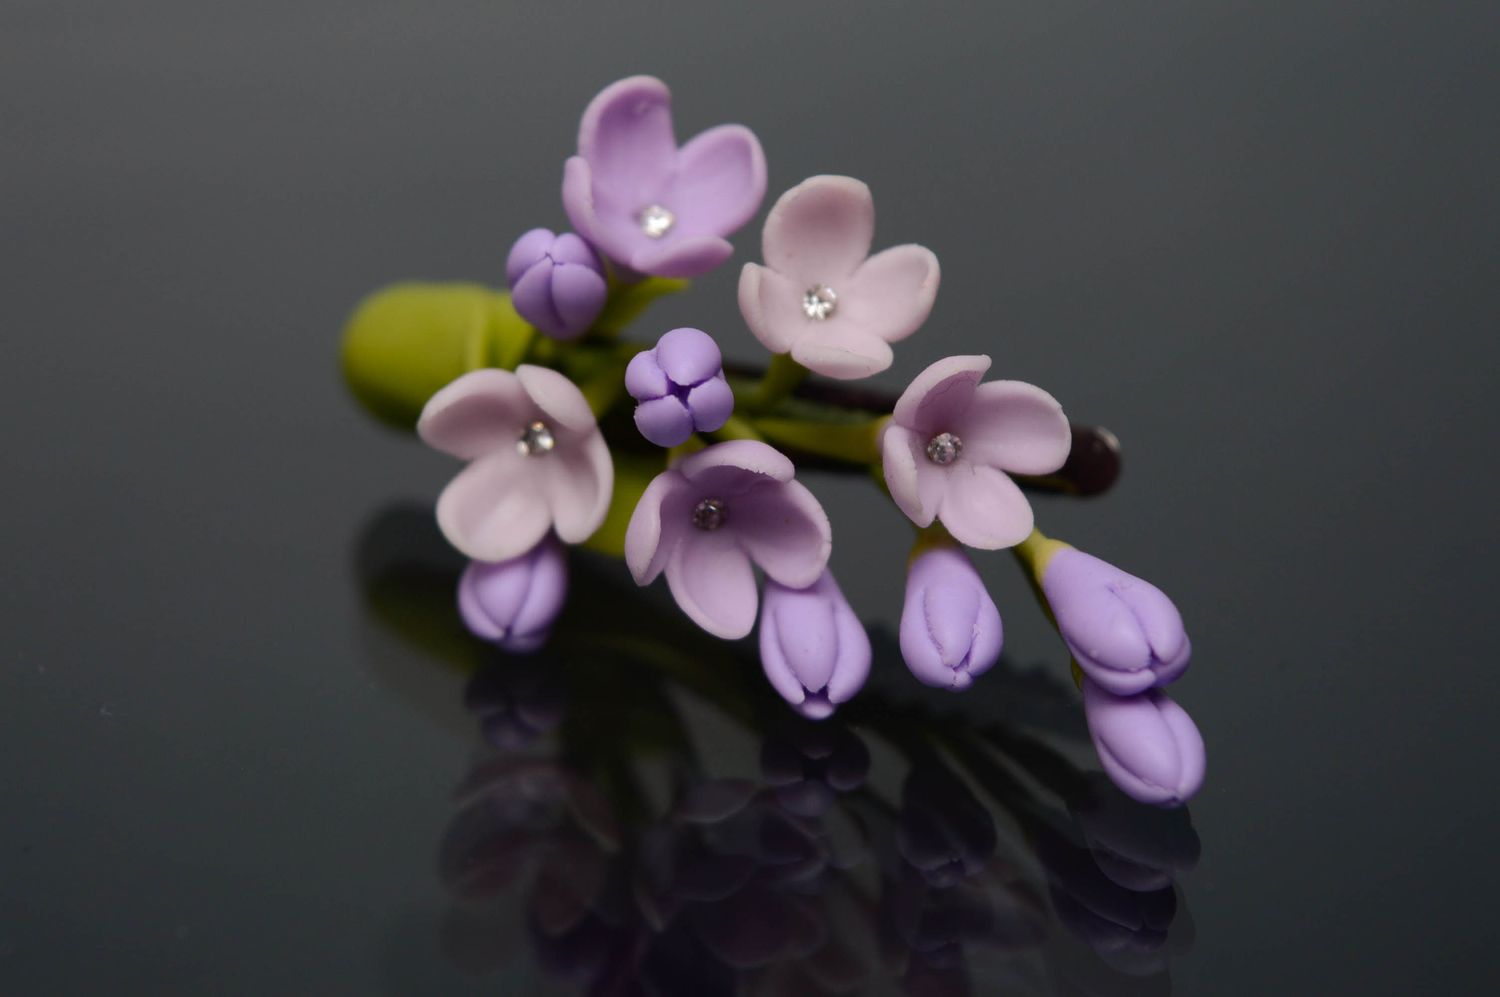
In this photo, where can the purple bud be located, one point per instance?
(513, 603)
(950, 628)
(556, 282)
(1123, 631)
(1148, 744)
(812, 646)
(680, 386)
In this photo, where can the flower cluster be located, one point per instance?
(722, 507)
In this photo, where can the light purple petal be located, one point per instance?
(685, 256)
(1016, 427)
(773, 659)
(1148, 745)
(655, 526)
(561, 402)
(899, 450)
(711, 403)
(571, 248)
(532, 297)
(853, 666)
(771, 305)
(477, 413)
(493, 510)
(578, 480)
(950, 628)
(819, 231)
(476, 615)
(578, 295)
(581, 208)
(626, 136)
(720, 181)
(750, 455)
(805, 631)
(937, 399)
(664, 421)
(546, 591)
(983, 508)
(644, 378)
(713, 583)
(527, 250)
(891, 294)
(845, 351)
(784, 530)
(688, 355)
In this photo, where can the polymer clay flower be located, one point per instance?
(537, 461)
(648, 205)
(680, 386)
(951, 441)
(1123, 631)
(709, 517)
(556, 282)
(513, 603)
(950, 628)
(813, 648)
(1148, 744)
(819, 297)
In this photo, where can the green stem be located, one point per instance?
(781, 378)
(737, 429)
(852, 442)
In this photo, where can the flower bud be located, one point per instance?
(680, 386)
(1123, 631)
(950, 628)
(556, 282)
(1148, 744)
(812, 646)
(513, 603)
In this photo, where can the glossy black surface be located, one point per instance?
(242, 750)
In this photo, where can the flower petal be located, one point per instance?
(720, 181)
(915, 485)
(653, 530)
(557, 397)
(937, 398)
(546, 591)
(687, 256)
(1017, 427)
(759, 459)
(644, 378)
(819, 231)
(713, 583)
(581, 208)
(853, 666)
(578, 480)
(983, 508)
(711, 403)
(845, 352)
(770, 304)
(784, 529)
(773, 661)
(891, 294)
(664, 421)
(494, 510)
(1147, 744)
(476, 414)
(578, 295)
(627, 138)
(527, 250)
(532, 297)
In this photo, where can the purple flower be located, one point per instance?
(680, 386)
(819, 297)
(951, 441)
(513, 603)
(1148, 744)
(648, 205)
(556, 282)
(950, 628)
(537, 461)
(708, 517)
(1123, 631)
(812, 646)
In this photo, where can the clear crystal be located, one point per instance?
(656, 221)
(819, 302)
(709, 514)
(536, 440)
(944, 448)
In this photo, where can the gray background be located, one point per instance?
(1257, 240)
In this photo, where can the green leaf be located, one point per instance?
(627, 301)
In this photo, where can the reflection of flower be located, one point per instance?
(1123, 631)
(1148, 744)
(810, 763)
(708, 517)
(537, 461)
(680, 387)
(514, 602)
(645, 203)
(950, 628)
(951, 442)
(819, 297)
(556, 282)
(515, 700)
(945, 832)
(814, 649)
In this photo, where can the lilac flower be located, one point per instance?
(556, 282)
(950, 628)
(812, 646)
(951, 441)
(513, 603)
(810, 763)
(680, 386)
(708, 517)
(944, 831)
(1148, 744)
(648, 205)
(819, 297)
(537, 461)
(1123, 631)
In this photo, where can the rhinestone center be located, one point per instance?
(819, 302)
(709, 514)
(944, 448)
(656, 221)
(536, 440)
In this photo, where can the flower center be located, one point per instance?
(536, 440)
(656, 221)
(709, 514)
(944, 448)
(819, 302)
